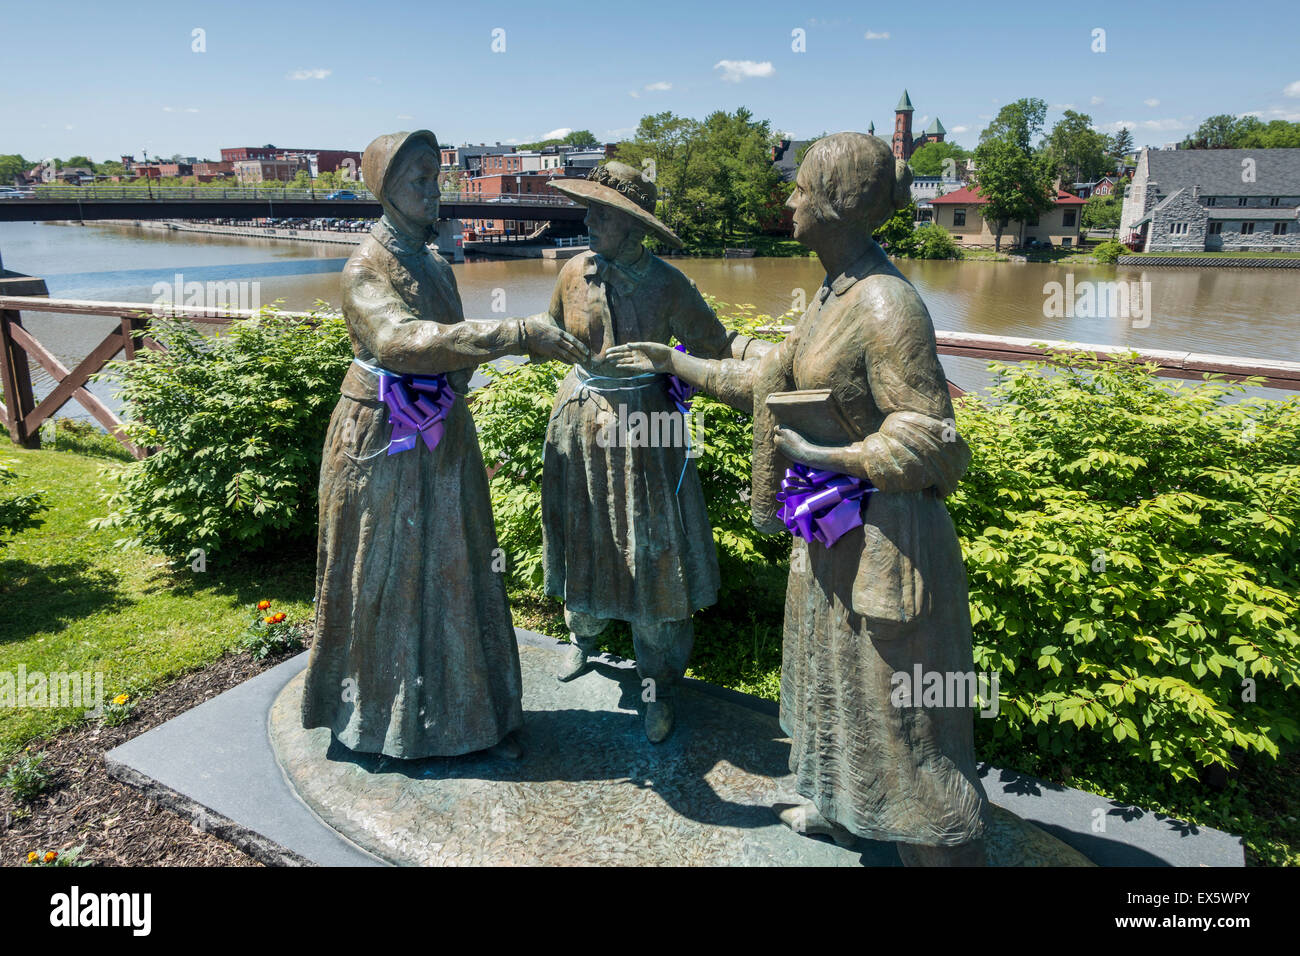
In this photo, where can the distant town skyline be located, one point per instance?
(168, 80)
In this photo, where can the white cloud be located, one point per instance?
(960, 129)
(1292, 89)
(623, 132)
(634, 94)
(1096, 101)
(316, 74)
(560, 133)
(876, 36)
(1153, 102)
(1062, 106)
(733, 71)
(658, 87)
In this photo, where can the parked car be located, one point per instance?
(11, 192)
(342, 194)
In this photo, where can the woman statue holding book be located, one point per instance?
(415, 651)
(877, 587)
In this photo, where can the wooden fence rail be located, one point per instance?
(23, 417)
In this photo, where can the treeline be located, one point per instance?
(1243, 132)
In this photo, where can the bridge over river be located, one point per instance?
(54, 203)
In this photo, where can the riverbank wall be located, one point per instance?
(1217, 262)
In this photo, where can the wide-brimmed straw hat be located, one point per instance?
(620, 186)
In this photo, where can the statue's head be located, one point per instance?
(401, 169)
(847, 182)
(620, 205)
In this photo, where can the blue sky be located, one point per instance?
(104, 79)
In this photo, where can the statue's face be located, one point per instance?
(610, 230)
(412, 188)
(805, 217)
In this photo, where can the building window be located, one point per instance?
(1212, 201)
(959, 217)
(1214, 228)
(1032, 222)
(1241, 201)
(1247, 228)
(1067, 241)
(1067, 219)
(1275, 201)
(1279, 229)
(1177, 228)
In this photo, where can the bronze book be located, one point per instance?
(814, 414)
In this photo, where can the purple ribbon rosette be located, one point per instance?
(417, 406)
(820, 505)
(680, 392)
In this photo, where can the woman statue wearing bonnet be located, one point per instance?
(877, 586)
(415, 651)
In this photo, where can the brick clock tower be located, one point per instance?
(903, 128)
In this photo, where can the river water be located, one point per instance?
(1242, 312)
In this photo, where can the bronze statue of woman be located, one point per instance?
(415, 651)
(885, 591)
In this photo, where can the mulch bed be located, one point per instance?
(119, 825)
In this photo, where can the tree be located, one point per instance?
(1074, 150)
(1121, 144)
(938, 159)
(897, 234)
(1018, 122)
(80, 161)
(1217, 132)
(1102, 212)
(582, 137)
(1013, 183)
(11, 164)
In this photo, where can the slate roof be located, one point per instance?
(1269, 212)
(904, 104)
(785, 162)
(1218, 171)
(936, 127)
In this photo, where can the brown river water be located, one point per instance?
(1240, 312)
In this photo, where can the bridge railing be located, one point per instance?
(23, 416)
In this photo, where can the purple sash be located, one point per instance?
(821, 505)
(679, 391)
(417, 406)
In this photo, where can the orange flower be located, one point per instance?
(268, 620)
(33, 857)
(263, 605)
(279, 617)
(51, 857)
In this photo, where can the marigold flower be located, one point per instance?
(263, 605)
(268, 620)
(51, 857)
(120, 699)
(279, 617)
(33, 857)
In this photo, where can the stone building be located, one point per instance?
(1199, 200)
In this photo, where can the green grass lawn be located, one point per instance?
(71, 601)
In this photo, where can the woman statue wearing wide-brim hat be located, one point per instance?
(414, 654)
(626, 535)
(876, 590)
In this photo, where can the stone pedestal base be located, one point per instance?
(590, 790)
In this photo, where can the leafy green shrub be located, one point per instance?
(54, 858)
(1108, 251)
(26, 778)
(238, 420)
(18, 512)
(935, 242)
(1132, 548)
